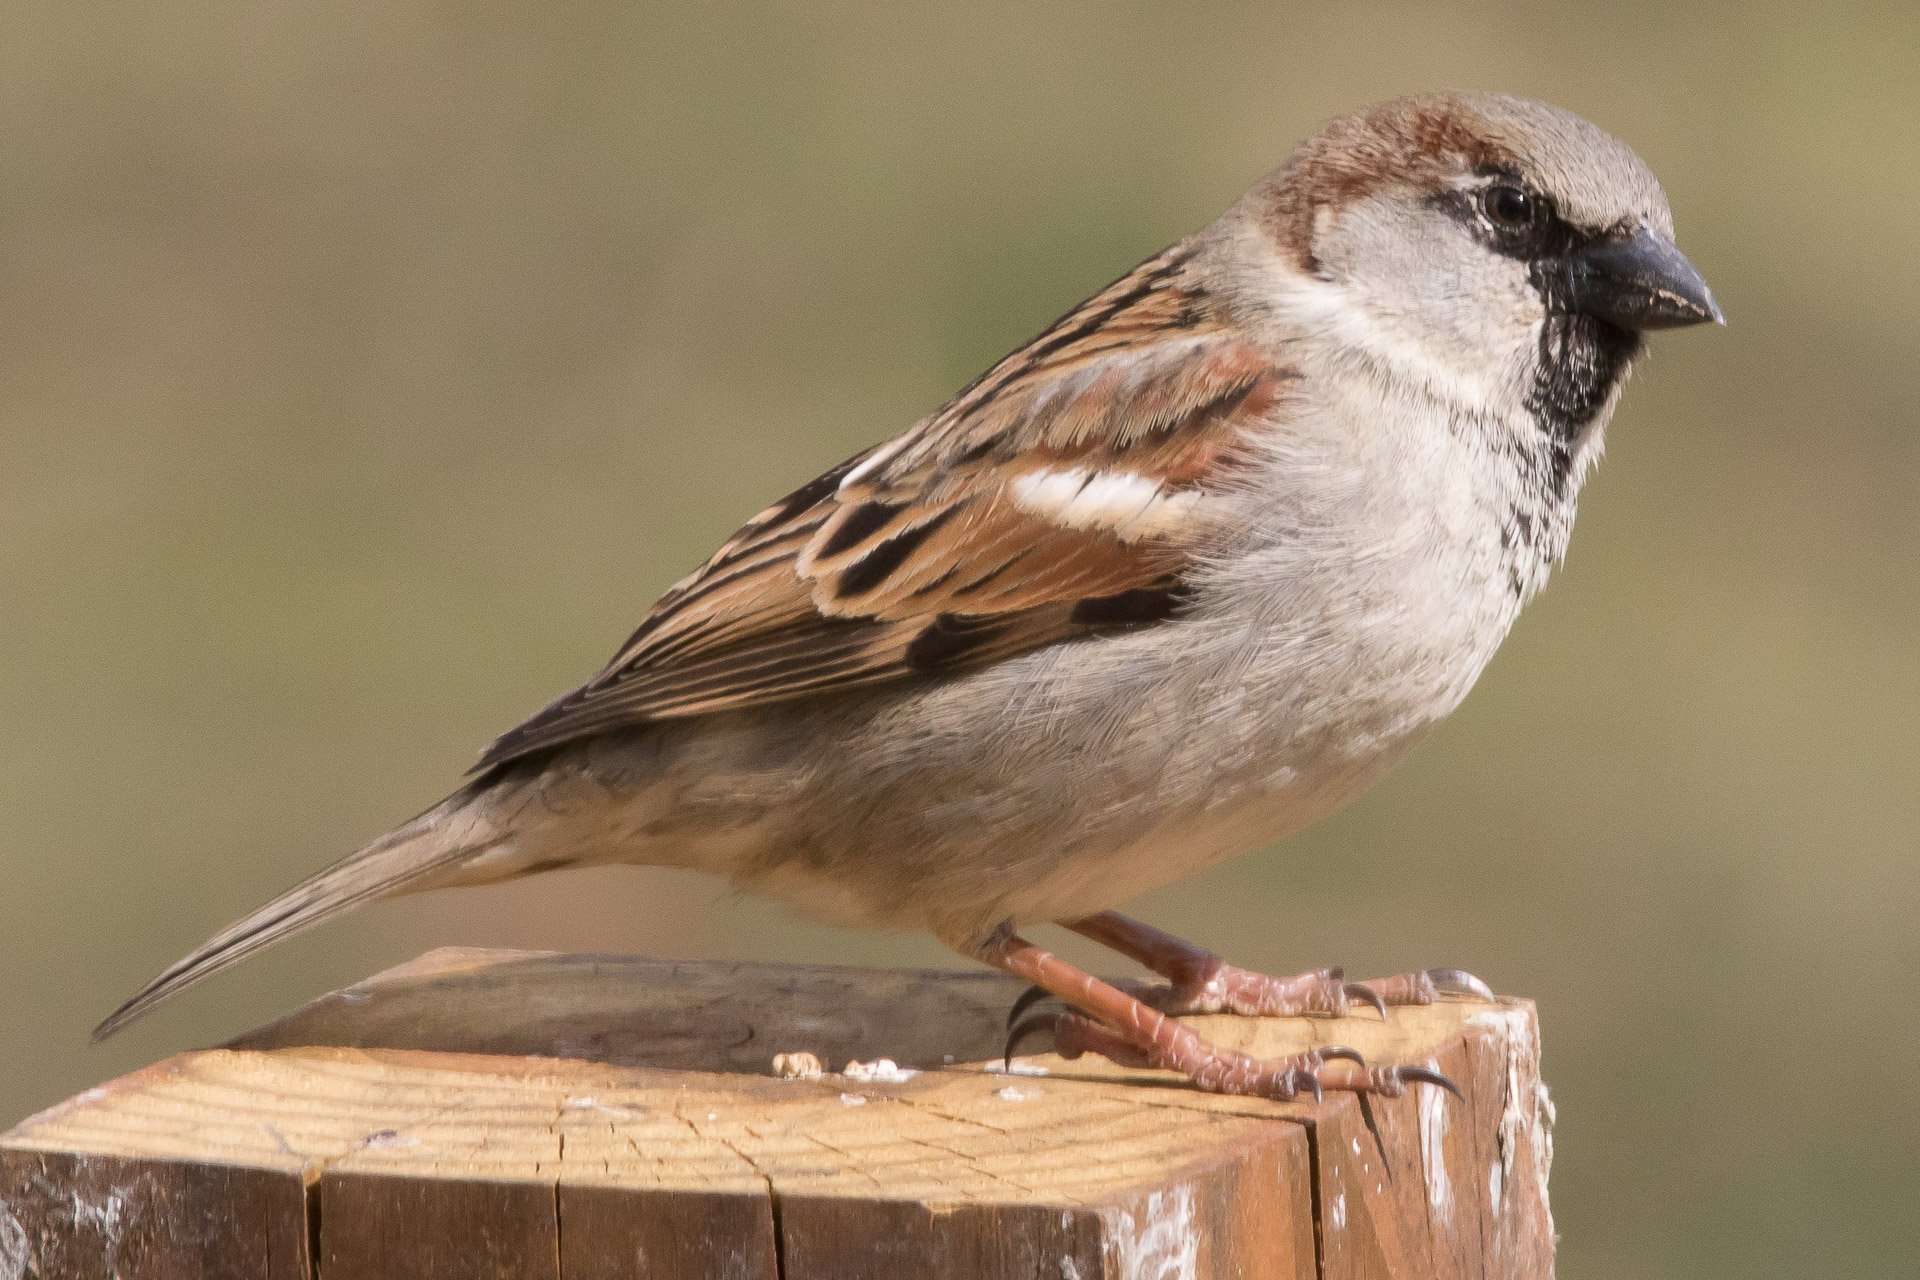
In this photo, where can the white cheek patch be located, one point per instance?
(1126, 505)
(1331, 310)
(1407, 291)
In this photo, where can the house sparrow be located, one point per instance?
(1176, 578)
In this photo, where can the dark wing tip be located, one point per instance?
(176, 977)
(114, 1021)
(547, 727)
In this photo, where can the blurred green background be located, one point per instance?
(368, 368)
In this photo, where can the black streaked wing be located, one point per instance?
(1041, 504)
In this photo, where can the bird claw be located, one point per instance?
(1428, 986)
(1028, 998)
(1460, 984)
(1361, 991)
(1295, 1078)
(1404, 1076)
(1018, 1033)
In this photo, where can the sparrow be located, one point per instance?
(1176, 578)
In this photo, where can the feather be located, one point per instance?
(1054, 498)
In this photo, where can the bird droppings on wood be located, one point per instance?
(879, 1071)
(102, 1215)
(1526, 1109)
(391, 1138)
(1163, 1243)
(14, 1248)
(1433, 1144)
(798, 1066)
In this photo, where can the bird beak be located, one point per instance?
(1639, 281)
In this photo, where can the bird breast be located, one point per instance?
(1367, 585)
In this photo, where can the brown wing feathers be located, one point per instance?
(1048, 500)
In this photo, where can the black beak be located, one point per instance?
(1639, 282)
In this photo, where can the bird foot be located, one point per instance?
(1116, 1025)
(1220, 987)
(1210, 985)
(1204, 983)
(1226, 1071)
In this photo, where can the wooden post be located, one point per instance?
(490, 1113)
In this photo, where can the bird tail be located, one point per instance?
(420, 854)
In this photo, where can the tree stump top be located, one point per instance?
(479, 1113)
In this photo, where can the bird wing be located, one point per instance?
(1055, 497)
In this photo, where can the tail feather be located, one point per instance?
(407, 858)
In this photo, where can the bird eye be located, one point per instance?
(1510, 208)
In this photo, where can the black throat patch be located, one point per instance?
(1581, 358)
(1580, 361)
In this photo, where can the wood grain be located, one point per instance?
(505, 1114)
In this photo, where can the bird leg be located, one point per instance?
(1204, 983)
(1120, 1027)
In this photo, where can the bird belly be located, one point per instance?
(1104, 770)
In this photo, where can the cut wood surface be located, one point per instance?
(487, 1113)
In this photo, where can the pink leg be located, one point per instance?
(1204, 983)
(1120, 1027)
